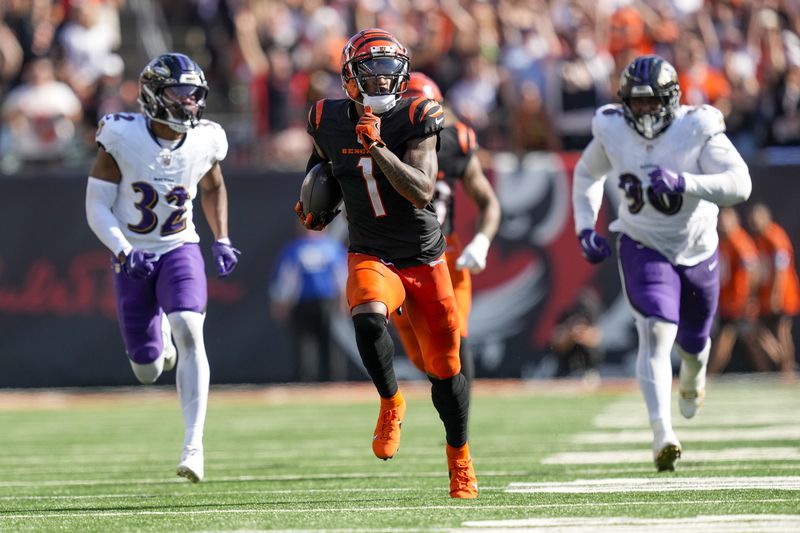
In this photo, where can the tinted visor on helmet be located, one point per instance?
(392, 68)
(382, 66)
(181, 93)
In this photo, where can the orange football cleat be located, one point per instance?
(463, 483)
(386, 439)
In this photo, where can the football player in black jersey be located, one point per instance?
(457, 162)
(383, 153)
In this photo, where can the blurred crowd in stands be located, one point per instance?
(526, 74)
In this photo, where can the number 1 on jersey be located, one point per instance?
(365, 163)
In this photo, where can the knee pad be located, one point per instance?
(369, 326)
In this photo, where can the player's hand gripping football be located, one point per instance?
(368, 129)
(665, 181)
(224, 257)
(138, 264)
(309, 222)
(594, 247)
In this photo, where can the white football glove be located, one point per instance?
(473, 257)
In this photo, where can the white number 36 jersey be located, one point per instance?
(155, 197)
(682, 227)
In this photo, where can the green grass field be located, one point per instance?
(547, 456)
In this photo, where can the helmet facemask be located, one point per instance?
(649, 124)
(184, 104)
(380, 80)
(652, 78)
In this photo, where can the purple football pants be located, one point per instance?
(177, 284)
(684, 295)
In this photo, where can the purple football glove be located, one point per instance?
(224, 257)
(665, 181)
(138, 264)
(594, 247)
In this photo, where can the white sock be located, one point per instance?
(694, 361)
(193, 374)
(654, 368)
(691, 365)
(662, 429)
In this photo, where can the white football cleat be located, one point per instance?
(169, 353)
(691, 390)
(666, 452)
(191, 465)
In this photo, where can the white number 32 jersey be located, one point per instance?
(155, 197)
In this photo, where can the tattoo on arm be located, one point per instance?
(414, 177)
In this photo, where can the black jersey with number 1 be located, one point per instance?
(381, 221)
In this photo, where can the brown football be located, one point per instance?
(321, 194)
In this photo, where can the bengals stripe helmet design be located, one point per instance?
(421, 85)
(374, 53)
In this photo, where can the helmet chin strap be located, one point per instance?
(380, 104)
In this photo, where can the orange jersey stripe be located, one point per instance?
(320, 106)
(463, 137)
(413, 107)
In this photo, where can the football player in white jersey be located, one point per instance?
(139, 199)
(675, 166)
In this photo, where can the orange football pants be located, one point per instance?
(462, 289)
(426, 294)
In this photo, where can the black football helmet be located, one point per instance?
(650, 77)
(173, 90)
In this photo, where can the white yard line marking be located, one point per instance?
(727, 468)
(39, 515)
(645, 456)
(593, 486)
(727, 523)
(638, 418)
(278, 478)
(150, 495)
(695, 435)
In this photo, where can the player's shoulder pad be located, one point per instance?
(705, 119)
(607, 116)
(315, 113)
(467, 142)
(113, 129)
(427, 113)
(219, 138)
